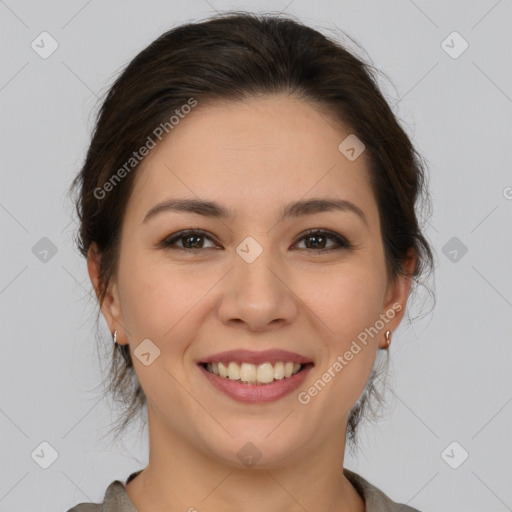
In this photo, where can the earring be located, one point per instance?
(388, 339)
(115, 338)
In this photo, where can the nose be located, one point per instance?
(258, 295)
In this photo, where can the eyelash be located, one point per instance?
(342, 242)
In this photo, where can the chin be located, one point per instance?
(257, 445)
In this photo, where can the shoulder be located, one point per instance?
(116, 500)
(375, 500)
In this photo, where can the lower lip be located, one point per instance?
(257, 393)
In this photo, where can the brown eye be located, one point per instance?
(189, 240)
(317, 240)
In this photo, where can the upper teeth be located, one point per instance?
(247, 372)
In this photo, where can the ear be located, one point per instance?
(110, 307)
(397, 293)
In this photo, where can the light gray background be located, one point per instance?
(451, 370)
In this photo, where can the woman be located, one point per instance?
(247, 210)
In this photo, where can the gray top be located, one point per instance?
(117, 500)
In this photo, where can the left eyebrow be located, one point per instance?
(312, 206)
(293, 209)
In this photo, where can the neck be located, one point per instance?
(181, 477)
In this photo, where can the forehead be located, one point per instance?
(252, 155)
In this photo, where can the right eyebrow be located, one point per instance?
(197, 206)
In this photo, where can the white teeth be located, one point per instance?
(248, 372)
(279, 370)
(254, 374)
(233, 371)
(223, 371)
(265, 373)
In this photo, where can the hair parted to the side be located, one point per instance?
(233, 56)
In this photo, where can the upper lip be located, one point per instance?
(249, 356)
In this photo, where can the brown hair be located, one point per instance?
(228, 57)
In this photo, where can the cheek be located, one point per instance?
(151, 301)
(346, 303)
(162, 302)
(157, 306)
(347, 300)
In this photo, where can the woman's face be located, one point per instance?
(253, 280)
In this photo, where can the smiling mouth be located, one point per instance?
(261, 374)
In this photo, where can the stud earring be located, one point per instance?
(115, 338)
(388, 339)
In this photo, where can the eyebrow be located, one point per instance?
(293, 209)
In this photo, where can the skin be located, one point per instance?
(253, 157)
